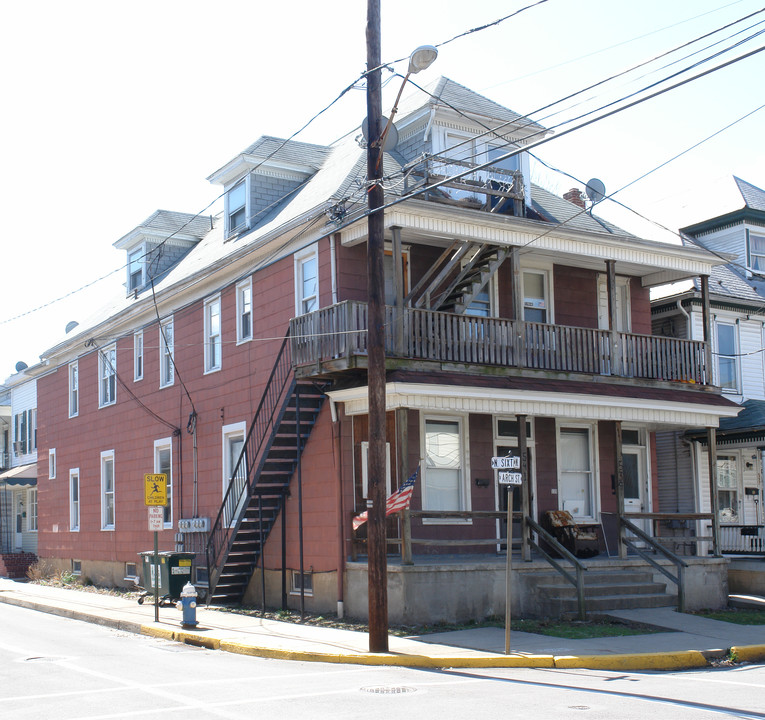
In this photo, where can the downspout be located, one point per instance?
(340, 509)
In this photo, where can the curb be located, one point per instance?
(639, 661)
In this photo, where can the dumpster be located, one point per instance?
(174, 573)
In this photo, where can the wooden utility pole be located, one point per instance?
(377, 576)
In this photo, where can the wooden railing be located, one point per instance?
(339, 332)
(742, 539)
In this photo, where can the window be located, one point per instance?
(25, 432)
(74, 389)
(576, 473)
(136, 262)
(51, 463)
(236, 208)
(302, 581)
(107, 373)
(76, 567)
(512, 163)
(244, 311)
(138, 356)
(535, 302)
(233, 444)
(163, 465)
(306, 282)
(166, 353)
(74, 500)
(445, 472)
(365, 469)
(107, 490)
(756, 246)
(727, 362)
(212, 334)
(32, 510)
(727, 488)
(131, 572)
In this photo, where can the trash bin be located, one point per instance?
(174, 573)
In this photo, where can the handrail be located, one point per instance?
(577, 581)
(676, 559)
(240, 486)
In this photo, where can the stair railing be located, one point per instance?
(680, 564)
(578, 580)
(243, 479)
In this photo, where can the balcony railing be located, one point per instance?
(337, 333)
(742, 539)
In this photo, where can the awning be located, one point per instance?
(21, 475)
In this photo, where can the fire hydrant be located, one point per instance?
(188, 604)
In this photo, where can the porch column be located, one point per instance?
(619, 458)
(402, 456)
(613, 319)
(714, 500)
(398, 287)
(525, 490)
(706, 314)
(519, 349)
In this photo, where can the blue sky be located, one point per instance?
(112, 111)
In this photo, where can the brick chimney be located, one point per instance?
(576, 196)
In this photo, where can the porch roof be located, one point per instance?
(748, 425)
(542, 397)
(21, 475)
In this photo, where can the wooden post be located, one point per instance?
(706, 314)
(613, 319)
(714, 498)
(525, 488)
(517, 315)
(619, 458)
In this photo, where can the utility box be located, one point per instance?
(174, 572)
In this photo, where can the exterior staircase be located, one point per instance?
(260, 481)
(473, 277)
(612, 589)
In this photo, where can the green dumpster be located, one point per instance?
(174, 573)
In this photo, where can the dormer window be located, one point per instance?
(756, 252)
(136, 266)
(236, 208)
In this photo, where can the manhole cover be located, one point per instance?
(389, 690)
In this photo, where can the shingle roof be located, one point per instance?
(557, 210)
(167, 222)
(754, 198)
(278, 149)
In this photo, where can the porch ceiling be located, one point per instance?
(436, 392)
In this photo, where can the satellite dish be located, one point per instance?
(71, 325)
(21, 365)
(596, 190)
(392, 138)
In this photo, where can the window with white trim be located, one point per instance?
(212, 333)
(166, 353)
(365, 469)
(107, 376)
(236, 208)
(107, 490)
(445, 471)
(136, 268)
(25, 432)
(244, 310)
(304, 582)
(51, 463)
(32, 510)
(307, 281)
(163, 465)
(138, 356)
(74, 500)
(74, 389)
(727, 355)
(576, 471)
(536, 303)
(756, 248)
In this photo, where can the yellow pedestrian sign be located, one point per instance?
(155, 489)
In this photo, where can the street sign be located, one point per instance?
(508, 462)
(510, 478)
(156, 518)
(155, 489)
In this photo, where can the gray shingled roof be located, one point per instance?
(754, 198)
(556, 209)
(167, 222)
(726, 281)
(299, 153)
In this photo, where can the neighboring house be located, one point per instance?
(18, 478)
(514, 318)
(737, 300)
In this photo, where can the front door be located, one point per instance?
(502, 492)
(18, 505)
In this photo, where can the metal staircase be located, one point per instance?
(260, 481)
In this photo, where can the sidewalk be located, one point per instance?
(689, 641)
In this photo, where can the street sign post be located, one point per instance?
(155, 498)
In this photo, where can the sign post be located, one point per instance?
(505, 477)
(155, 499)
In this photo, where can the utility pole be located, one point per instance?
(377, 564)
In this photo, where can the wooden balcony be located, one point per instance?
(334, 339)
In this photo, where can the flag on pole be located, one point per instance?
(399, 500)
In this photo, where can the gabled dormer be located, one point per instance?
(259, 179)
(159, 243)
(740, 232)
(456, 127)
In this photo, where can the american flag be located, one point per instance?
(399, 500)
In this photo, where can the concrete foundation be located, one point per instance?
(746, 576)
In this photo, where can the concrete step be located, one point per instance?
(616, 602)
(604, 589)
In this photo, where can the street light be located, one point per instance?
(377, 563)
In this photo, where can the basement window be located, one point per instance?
(305, 581)
(76, 567)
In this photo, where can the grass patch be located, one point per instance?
(740, 616)
(582, 630)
